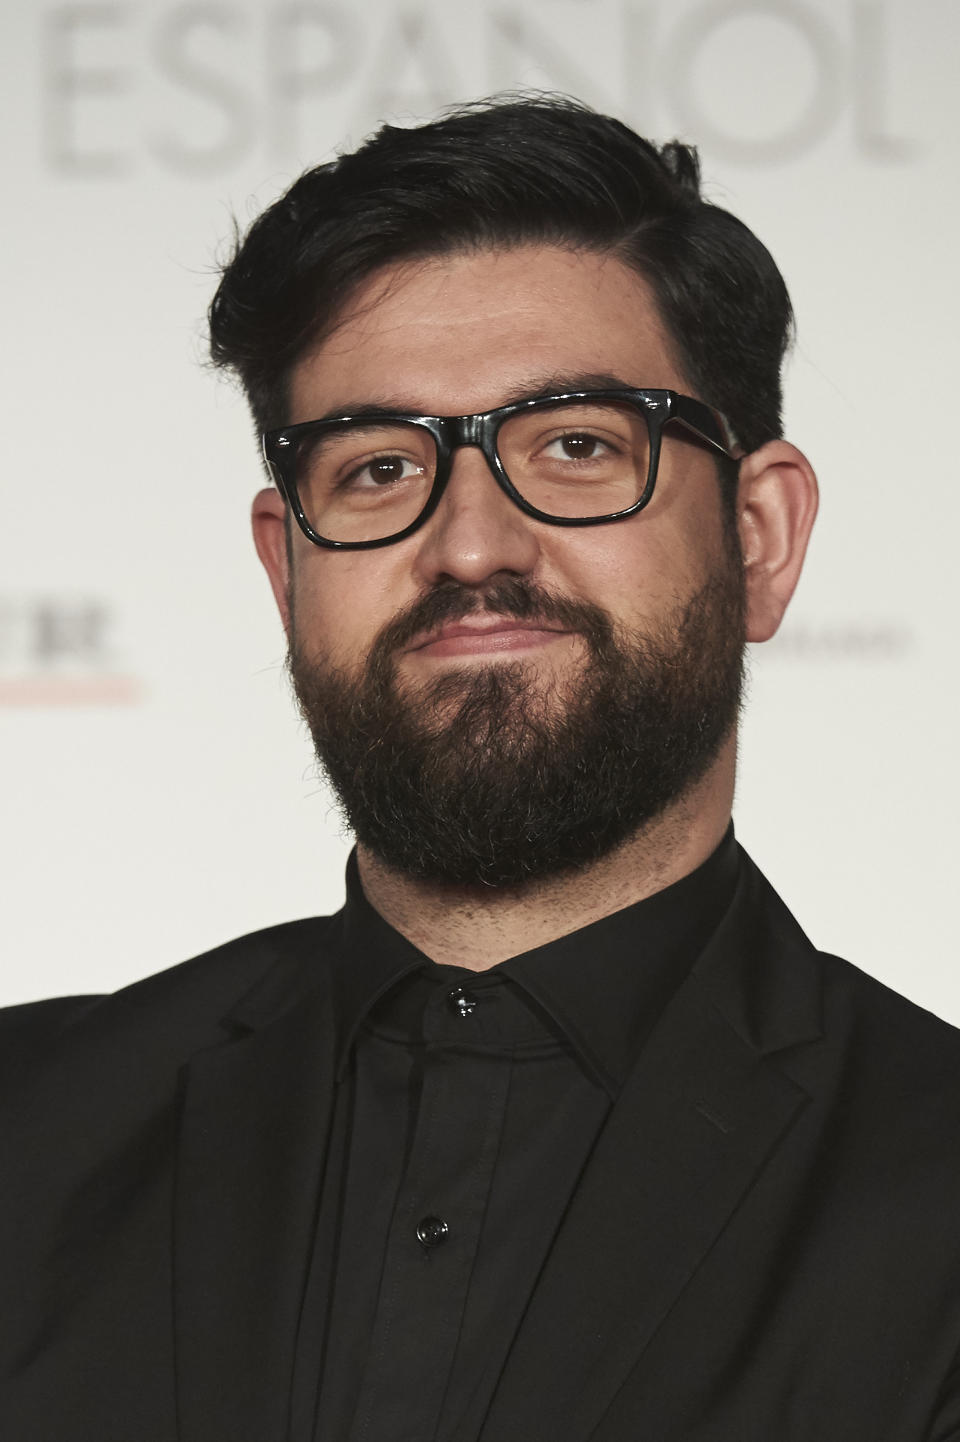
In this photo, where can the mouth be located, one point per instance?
(485, 635)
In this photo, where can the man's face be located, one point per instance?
(491, 666)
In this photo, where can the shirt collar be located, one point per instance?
(603, 986)
(371, 959)
(608, 983)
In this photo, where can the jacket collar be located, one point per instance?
(760, 969)
(254, 1123)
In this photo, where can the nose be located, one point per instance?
(476, 531)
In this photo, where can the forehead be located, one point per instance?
(466, 332)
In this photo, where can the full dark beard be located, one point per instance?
(484, 775)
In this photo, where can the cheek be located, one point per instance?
(633, 572)
(342, 600)
(640, 569)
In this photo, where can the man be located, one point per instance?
(561, 1129)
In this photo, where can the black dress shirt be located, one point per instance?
(467, 1107)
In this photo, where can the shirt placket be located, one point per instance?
(438, 1216)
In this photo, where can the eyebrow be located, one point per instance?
(534, 389)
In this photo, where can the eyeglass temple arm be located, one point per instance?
(707, 424)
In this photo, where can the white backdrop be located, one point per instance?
(158, 792)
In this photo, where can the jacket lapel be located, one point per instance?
(698, 1119)
(255, 1124)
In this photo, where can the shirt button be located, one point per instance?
(431, 1231)
(461, 1001)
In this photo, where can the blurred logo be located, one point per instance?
(55, 651)
(197, 89)
(840, 640)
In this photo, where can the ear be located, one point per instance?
(270, 538)
(777, 505)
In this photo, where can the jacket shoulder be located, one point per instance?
(179, 1008)
(906, 1043)
(788, 990)
(222, 975)
(836, 1029)
(25, 1029)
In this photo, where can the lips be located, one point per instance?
(486, 633)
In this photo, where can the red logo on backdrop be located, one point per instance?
(55, 651)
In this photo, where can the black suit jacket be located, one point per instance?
(765, 1246)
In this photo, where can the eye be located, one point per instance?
(385, 470)
(577, 446)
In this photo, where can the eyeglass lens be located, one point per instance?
(366, 480)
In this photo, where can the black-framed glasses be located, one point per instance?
(583, 458)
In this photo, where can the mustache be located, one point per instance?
(507, 596)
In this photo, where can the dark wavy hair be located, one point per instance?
(499, 173)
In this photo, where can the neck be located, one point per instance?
(477, 927)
